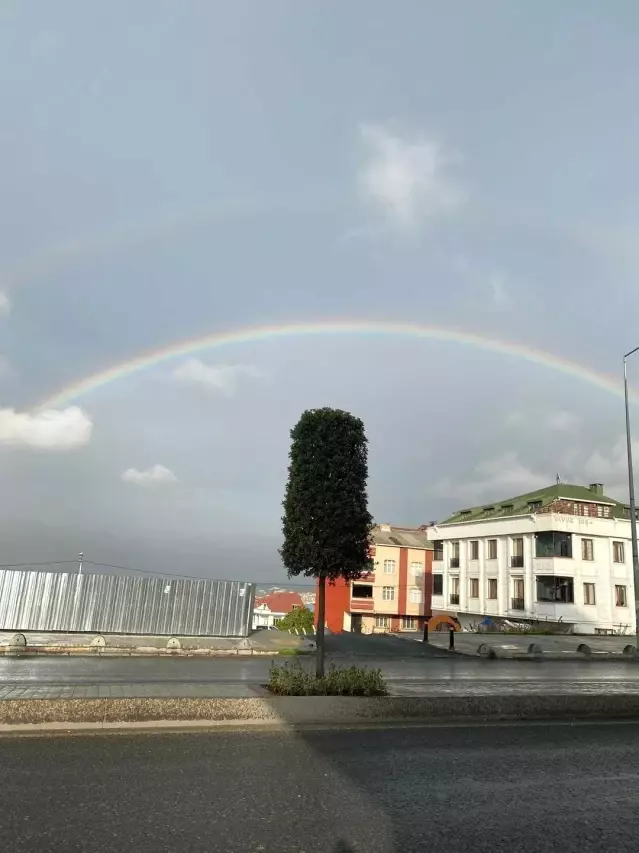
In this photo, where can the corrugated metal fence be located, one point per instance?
(116, 604)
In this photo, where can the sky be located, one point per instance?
(176, 171)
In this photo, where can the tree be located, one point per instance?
(300, 619)
(326, 523)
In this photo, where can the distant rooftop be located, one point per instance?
(536, 501)
(406, 537)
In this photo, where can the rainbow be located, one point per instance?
(365, 328)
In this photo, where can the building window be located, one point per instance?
(600, 511)
(517, 556)
(388, 593)
(416, 595)
(474, 588)
(589, 593)
(454, 590)
(533, 506)
(474, 550)
(618, 555)
(551, 543)
(438, 584)
(381, 621)
(454, 560)
(551, 588)
(492, 589)
(416, 568)
(492, 549)
(361, 591)
(389, 567)
(517, 602)
(587, 550)
(409, 623)
(438, 549)
(620, 596)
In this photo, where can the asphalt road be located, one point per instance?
(472, 788)
(86, 670)
(399, 661)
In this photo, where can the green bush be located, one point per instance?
(293, 680)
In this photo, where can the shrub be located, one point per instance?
(293, 680)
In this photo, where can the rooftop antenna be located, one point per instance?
(558, 479)
(80, 561)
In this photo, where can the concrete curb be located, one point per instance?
(20, 715)
(142, 651)
(535, 653)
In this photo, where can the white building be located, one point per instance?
(269, 609)
(558, 555)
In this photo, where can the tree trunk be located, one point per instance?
(321, 611)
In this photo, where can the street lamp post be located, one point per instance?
(631, 480)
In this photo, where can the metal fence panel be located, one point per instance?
(119, 604)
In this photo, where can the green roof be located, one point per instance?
(520, 505)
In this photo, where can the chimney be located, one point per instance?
(596, 488)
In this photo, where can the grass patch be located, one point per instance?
(291, 679)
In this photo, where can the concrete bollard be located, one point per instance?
(584, 649)
(630, 651)
(174, 644)
(16, 645)
(535, 650)
(425, 638)
(451, 640)
(486, 651)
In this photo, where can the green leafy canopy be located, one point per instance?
(300, 619)
(326, 523)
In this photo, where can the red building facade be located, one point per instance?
(396, 596)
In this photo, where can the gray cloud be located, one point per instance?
(223, 204)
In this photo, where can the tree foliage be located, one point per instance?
(300, 619)
(326, 523)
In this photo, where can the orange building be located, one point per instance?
(396, 596)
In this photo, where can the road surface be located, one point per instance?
(409, 668)
(469, 788)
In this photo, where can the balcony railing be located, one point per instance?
(517, 604)
(454, 562)
(517, 561)
(454, 598)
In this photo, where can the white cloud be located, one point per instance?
(558, 421)
(563, 421)
(217, 377)
(610, 467)
(496, 479)
(406, 179)
(5, 303)
(498, 290)
(156, 474)
(47, 430)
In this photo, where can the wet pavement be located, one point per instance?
(468, 643)
(517, 787)
(409, 669)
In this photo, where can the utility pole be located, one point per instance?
(631, 481)
(80, 560)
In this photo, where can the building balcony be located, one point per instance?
(517, 604)
(362, 604)
(454, 598)
(517, 561)
(454, 562)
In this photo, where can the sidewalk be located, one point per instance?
(517, 646)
